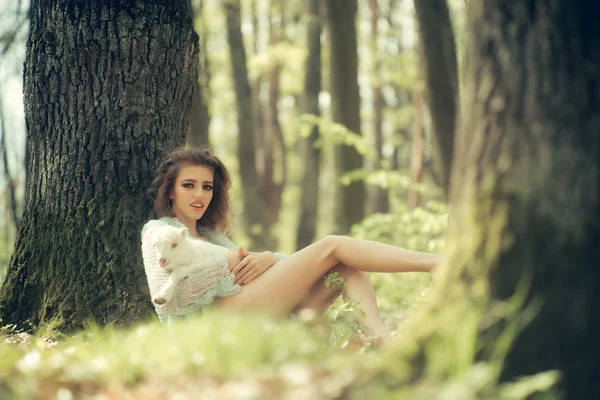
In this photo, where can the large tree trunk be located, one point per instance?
(441, 76)
(107, 92)
(255, 211)
(526, 185)
(311, 154)
(345, 104)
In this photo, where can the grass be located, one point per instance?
(217, 352)
(227, 356)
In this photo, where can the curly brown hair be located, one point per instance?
(218, 214)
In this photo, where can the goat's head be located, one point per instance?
(171, 246)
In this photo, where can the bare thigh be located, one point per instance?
(283, 286)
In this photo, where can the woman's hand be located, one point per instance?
(252, 265)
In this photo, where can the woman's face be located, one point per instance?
(192, 192)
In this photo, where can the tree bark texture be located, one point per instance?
(255, 211)
(345, 104)
(526, 187)
(107, 93)
(441, 77)
(311, 155)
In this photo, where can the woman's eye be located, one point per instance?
(208, 187)
(173, 245)
(188, 185)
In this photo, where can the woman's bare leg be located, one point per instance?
(357, 286)
(283, 286)
(320, 297)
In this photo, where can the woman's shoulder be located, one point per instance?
(153, 223)
(215, 237)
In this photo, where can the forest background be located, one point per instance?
(335, 116)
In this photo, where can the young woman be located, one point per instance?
(192, 191)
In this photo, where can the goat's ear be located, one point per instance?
(184, 231)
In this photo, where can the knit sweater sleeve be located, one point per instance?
(193, 292)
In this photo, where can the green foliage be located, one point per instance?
(332, 132)
(218, 350)
(344, 325)
(343, 313)
(212, 346)
(285, 55)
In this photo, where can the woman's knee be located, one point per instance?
(330, 243)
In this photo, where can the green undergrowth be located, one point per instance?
(222, 356)
(214, 346)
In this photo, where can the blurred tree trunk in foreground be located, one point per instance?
(345, 104)
(441, 77)
(255, 211)
(107, 92)
(526, 187)
(311, 155)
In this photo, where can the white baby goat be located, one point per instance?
(181, 256)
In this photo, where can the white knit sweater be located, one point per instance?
(199, 289)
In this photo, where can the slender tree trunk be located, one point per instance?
(416, 163)
(12, 205)
(257, 103)
(107, 91)
(439, 49)
(526, 185)
(197, 131)
(198, 128)
(274, 141)
(345, 104)
(379, 197)
(255, 212)
(311, 155)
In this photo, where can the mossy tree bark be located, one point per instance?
(526, 187)
(255, 210)
(107, 91)
(345, 104)
(311, 154)
(441, 76)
